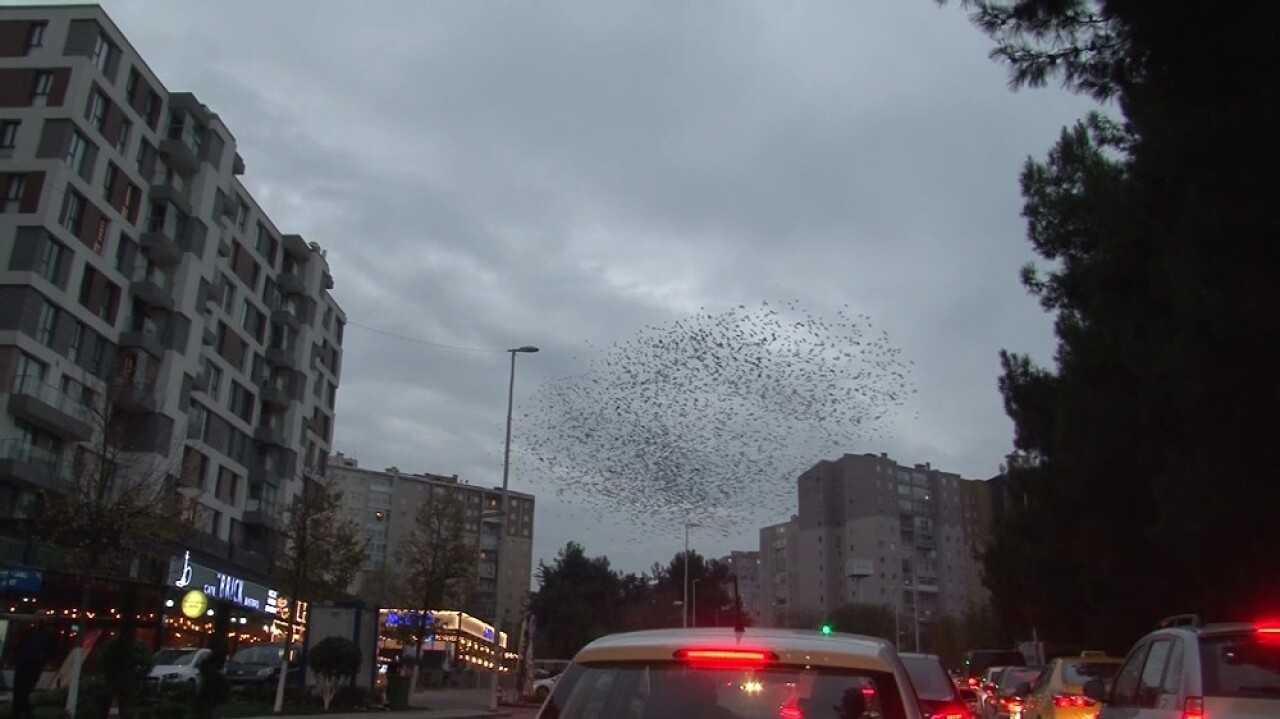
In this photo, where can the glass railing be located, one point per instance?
(46, 461)
(145, 326)
(186, 134)
(35, 386)
(257, 505)
(150, 273)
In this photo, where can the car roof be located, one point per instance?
(793, 646)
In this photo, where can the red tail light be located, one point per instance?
(1193, 708)
(1268, 632)
(1010, 703)
(1072, 700)
(951, 711)
(730, 658)
(790, 711)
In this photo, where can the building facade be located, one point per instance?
(138, 274)
(873, 531)
(385, 503)
(745, 565)
(779, 575)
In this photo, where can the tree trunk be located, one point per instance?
(417, 663)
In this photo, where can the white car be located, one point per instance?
(542, 688)
(720, 673)
(1190, 670)
(177, 667)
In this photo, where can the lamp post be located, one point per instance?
(693, 607)
(685, 609)
(502, 533)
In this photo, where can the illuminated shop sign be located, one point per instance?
(186, 574)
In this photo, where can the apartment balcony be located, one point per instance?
(159, 243)
(287, 316)
(33, 466)
(296, 246)
(261, 514)
(152, 287)
(291, 283)
(140, 397)
(181, 146)
(270, 434)
(143, 334)
(207, 544)
(276, 397)
(169, 187)
(49, 407)
(283, 356)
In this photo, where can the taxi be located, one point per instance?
(1059, 693)
(723, 673)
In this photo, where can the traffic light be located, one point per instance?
(826, 628)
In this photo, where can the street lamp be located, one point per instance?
(685, 611)
(502, 532)
(693, 608)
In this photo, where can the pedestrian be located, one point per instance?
(29, 660)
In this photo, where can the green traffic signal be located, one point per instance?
(826, 628)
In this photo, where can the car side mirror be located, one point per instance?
(1096, 690)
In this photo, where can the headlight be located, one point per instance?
(172, 676)
(266, 672)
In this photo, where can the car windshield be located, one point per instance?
(173, 657)
(928, 677)
(267, 655)
(1239, 665)
(668, 690)
(1013, 676)
(1081, 672)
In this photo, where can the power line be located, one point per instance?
(421, 342)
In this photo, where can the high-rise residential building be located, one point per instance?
(386, 504)
(779, 574)
(873, 531)
(745, 565)
(138, 272)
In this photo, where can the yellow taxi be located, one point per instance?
(1059, 692)
(722, 673)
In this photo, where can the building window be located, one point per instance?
(13, 193)
(48, 321)
(9, 134)
(35, 35)
(100, 236)
(198, 421)
(98, 110)
(50, 259)
(122, 142)
(43, 88)
(101, 53)
(131, 83)
(75, 210)
(78, 153)
(77, 341)
(109, 179)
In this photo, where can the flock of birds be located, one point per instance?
(710, 419)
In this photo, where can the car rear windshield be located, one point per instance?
(928, 677)
(1013, 676)
(1081, 672)
(1239, 665)
(173, 657)
(268, 654)
(671, 690)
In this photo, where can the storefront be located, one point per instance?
(458, 638)
(200, 599)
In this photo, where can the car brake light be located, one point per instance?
(951, 711)
(1193, 708)
(726, 657)
(790, 711)
(1072, 700)
(1268, 632)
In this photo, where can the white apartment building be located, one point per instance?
(386, 503)
(136, 269)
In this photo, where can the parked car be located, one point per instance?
(258, 666)
(717, 673)
(1187, 669)
(937, 693)
(177, 666)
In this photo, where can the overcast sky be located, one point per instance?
(489, 174)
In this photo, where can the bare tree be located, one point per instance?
(113, 503)
(321, 553)
(438, 558)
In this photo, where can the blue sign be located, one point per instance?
(25, 581)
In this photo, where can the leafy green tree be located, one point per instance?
(333, 659)
(578, 599)
(1148, 436)
(438, 560)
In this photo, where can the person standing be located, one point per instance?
(32, 655)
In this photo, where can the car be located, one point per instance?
(258, 666)
(978, 663)
(1187, 669)
(1059, 692)
(987, 688)
(177, 666)
(726, 673)
(1010, 692)
(935, 690)
(971, 700)
(542, 688)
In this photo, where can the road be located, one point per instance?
(459, 699)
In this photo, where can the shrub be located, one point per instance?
(333, 659)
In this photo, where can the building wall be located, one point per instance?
(745, 565)
(871, 530)
(136, 267)
(386, 504)
(779, 582)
